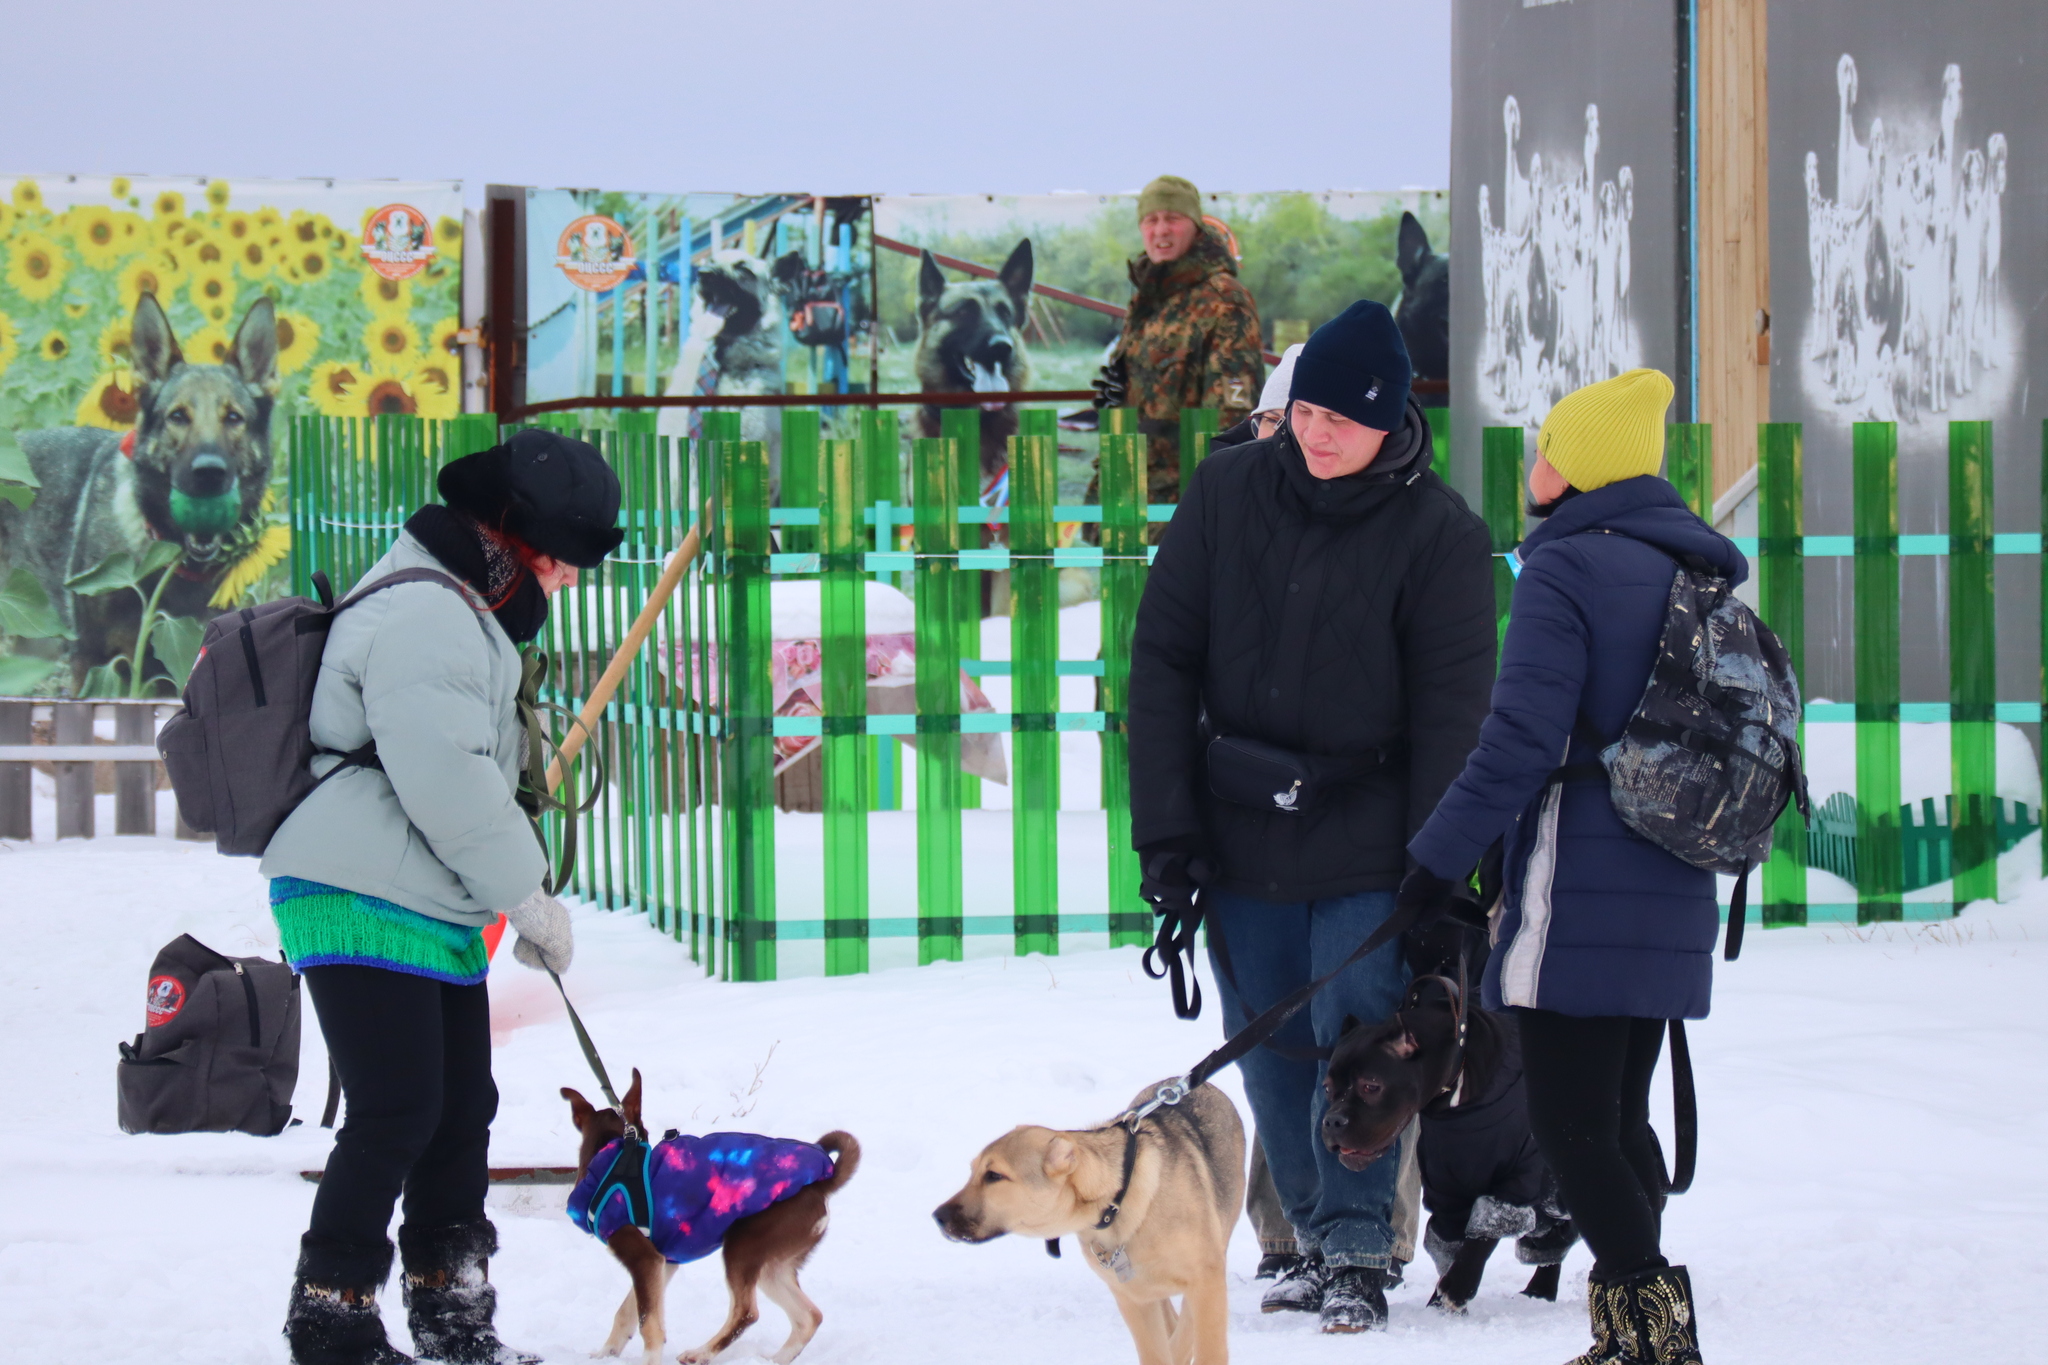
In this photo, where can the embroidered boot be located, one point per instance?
(332, 1318)
(449, 1300)
(1606, 1349)
(1300, 1288)
(1652, 1316)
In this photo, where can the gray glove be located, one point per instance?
(545, 942)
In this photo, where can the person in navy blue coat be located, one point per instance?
(1601, 936)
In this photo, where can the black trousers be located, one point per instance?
(1589, 1106)
(415, 1063)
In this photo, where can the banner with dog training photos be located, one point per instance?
(1909, 255)
(1566, 171)
(649, 294)
(157, 337)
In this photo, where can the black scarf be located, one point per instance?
(484, 562)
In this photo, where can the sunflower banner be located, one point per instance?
(157, 337)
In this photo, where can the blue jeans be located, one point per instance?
(1274, 947)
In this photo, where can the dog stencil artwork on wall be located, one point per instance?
(193, 473)
(970, 339)
(1554, 273)
(1905, 258)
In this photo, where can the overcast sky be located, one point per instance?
(902, 97)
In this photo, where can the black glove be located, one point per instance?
(1173, 875)
(1111, 384)
(1431, 896)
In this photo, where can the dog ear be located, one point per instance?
(1015, 277)
(255, 349)
(1350, 1023)
(1412, 248)
(1401, 1044)
(152, 344)
(629, 1105)
(580, 1110)
(930, 284)
(1061, 1157)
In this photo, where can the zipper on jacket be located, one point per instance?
(255, 1018)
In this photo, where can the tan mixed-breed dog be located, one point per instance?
(1168, 1232)
(764, 1250)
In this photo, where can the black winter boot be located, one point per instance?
(449, 1300)
(1276, 1264)
(1355, 1299)
(1652, 1317)
(1300, 1289)
(332, 1318)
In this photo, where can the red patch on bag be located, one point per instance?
(166, 998)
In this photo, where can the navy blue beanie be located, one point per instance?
(1356, 364)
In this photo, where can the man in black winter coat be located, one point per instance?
(1322, 610)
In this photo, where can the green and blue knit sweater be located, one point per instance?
(325, 926)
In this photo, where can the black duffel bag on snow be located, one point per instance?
(219, 1052)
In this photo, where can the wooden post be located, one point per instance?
(135, 783)
(15, 807)
(74, 780)
(1733, 263)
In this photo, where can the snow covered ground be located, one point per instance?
(1873, 1176)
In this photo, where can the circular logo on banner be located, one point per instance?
(398, 241)
(166, 998)
(595, 253)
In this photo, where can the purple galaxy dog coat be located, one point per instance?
(684, 1192)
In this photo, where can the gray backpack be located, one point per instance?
(219, 1051)
(239, 754)
(1711, 756)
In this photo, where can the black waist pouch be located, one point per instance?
(1250, 772)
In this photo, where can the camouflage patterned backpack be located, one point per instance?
(1711, 755)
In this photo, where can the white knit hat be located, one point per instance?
(1273, 397)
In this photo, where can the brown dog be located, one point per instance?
(1163, 1233)
(764, 1250)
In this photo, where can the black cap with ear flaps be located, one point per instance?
(552, 491)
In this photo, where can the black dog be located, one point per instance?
(1482, 1177)
(1424, 312)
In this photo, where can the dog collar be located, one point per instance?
(1116, 1201)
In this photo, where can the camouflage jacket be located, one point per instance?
(1191, 341)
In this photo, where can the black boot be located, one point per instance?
(448, 1295)
(1652, 1316)
(332, 1318)
(1606, 1349)
(1276, 1264)
(1355, 1299)
(1300, 1289)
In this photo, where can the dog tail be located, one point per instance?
(845, 1159)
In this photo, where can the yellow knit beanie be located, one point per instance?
(1609, 431)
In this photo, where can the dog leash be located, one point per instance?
(633, 1133)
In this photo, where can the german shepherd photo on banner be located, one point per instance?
(971, 340)
(192, 472)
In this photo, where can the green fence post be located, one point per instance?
(800, 436)
(1122, 468)
(842, 540)
(748, 778)
(1439, 442)
(1034, 679)
(1880, 867)
(962, 427)
(1781, 574)
(1689, 464)
(1972, 666)
(1198, 426)
(1502, 500)
(941, 894)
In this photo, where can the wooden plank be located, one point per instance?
(74, 780)
(1733, 252)
(16, 810)
(135, 783)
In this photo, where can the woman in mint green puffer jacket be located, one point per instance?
(384, 878)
